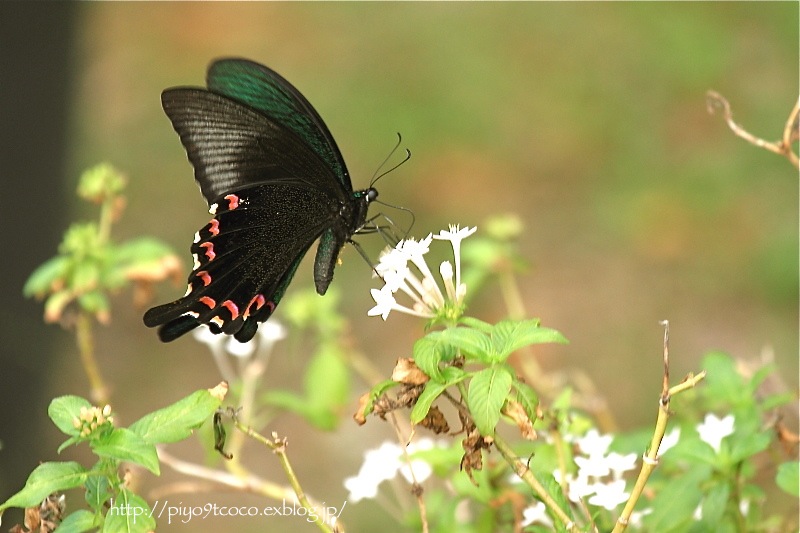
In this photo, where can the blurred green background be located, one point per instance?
(586, 120)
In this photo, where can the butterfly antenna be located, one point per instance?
(376, 176)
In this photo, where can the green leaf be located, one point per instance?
(431, 350)
(46, 479)
(714, 503)
(511, 335)
(141, 250)
(773, 401)
(42, 280)
(475, 323)
(693, 450)
(94, 302)
(788, 477)
(77, 522)
(472, 343)
(376, 392)
(64, 410)
(98, 492)
(723, 382)
(674, 505)
(554, 489)
(433, 389)
(746, 445)
(129, 514)
(125, 445)
(528, 398)
(177, 421)
(487, 393)
(69, 442)
(85, 275)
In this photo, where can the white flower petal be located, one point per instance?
(609, 495)
(713, 429)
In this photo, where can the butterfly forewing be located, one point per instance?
(265, 90)
(232, 146)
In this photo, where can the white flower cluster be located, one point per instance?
(596, 466)
(423, 289)
(259, 347)
(383, 463)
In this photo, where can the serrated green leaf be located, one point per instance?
(125, 445)
(788, 477)
(77, 522)
(487, 393)
(129, 514)
(46, 479)
(177, 421)
(472, 343)
(511, 335)
(475, 323)
(453, 374)
(426, 355)
(64, 410)
(41, 280)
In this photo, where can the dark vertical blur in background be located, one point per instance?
(36, 46)
(586, 120)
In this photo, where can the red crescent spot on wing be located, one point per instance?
(271, 306)
(213, 227)
(230, 306)
(205, 276)
(208, 301)
(257, 301)
(233, 201)
(209, 250)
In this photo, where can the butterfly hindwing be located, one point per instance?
(245, 258)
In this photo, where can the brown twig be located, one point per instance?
(650, 457)
(715, 101)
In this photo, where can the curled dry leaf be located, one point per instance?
(516, 412)
(406, 371)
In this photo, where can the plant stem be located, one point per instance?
(85, 340)
(650, 458)
(278, 447)
(522, 470)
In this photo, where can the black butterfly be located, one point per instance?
(274, 180)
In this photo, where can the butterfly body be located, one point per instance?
(275, 182)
